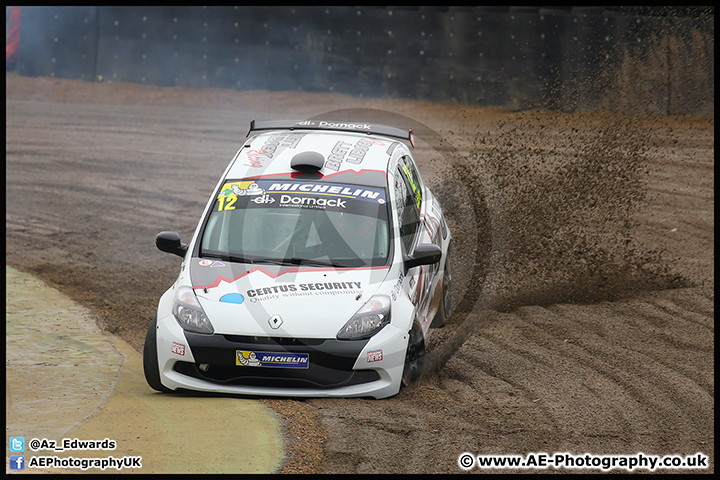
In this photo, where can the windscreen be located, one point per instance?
(298, 222)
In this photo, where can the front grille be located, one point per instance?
(273, 340)
(313, 377)
(331, 361)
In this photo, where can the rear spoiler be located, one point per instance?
(337, 126)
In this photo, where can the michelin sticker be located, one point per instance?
(245, 358)
(316, 195)
(351, 192)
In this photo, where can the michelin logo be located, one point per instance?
(247, 358)
(326, 189)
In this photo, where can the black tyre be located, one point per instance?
(150, 359)
(414, 356)
(443, 312)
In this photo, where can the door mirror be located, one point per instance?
(425, 254)
(170, 242)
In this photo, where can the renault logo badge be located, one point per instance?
(275, 322)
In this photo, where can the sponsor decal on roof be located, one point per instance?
(349, 152)
(257, 157)
(254, 158)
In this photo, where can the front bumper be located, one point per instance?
(336, 368)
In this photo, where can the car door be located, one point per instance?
(410, 202)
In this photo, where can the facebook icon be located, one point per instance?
(17, 462)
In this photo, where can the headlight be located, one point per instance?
(369, 320)
(189, 313)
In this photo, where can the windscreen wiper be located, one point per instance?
(303, 261)
(316, 262)
(228, 258)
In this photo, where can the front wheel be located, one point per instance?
(443, 312)
(150, 359)
(414, 356)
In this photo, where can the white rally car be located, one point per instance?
(317, 268)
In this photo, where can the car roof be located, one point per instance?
(359, 152)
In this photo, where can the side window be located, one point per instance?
(408, 213)
(414, 180)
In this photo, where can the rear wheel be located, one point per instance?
(414, 356)
(150, 359)
(443, 312)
